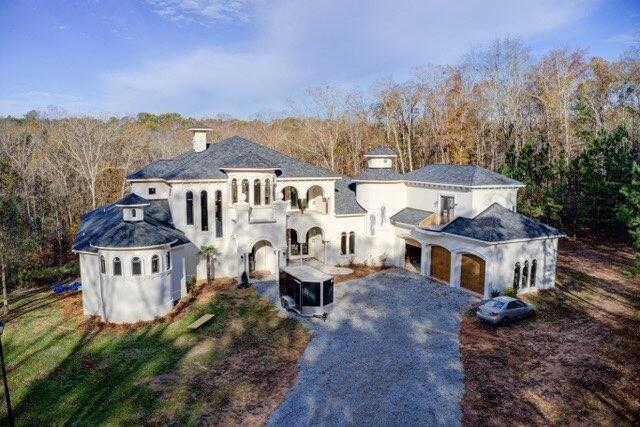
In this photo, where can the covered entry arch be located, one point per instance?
(412, 255)
(263, 257)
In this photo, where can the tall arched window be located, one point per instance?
(136, 266)
(516, 276)
(155, 264)
(291, 195)
(103, 266)
(218, 213)
(257, 196)
(267, 191)
(117, 267)
(168, 260)
(525, 275)
(534, 267)
(204, 211)
(189, 208)
(234, 190)
(372, 225)
(245, 190)
(383, 215)
(352, 243)
(343, 243)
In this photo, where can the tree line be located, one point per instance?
(567, 124)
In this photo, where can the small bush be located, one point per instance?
(494, 292)
(191, 284)
(510, 292)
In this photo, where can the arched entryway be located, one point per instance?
(315, 199)
(262, 258)
(314, 243)
(412, 255)
(472, 273)
(440, 263)
(290, 195)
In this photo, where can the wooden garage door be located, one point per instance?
(440, 263)
(472, 273)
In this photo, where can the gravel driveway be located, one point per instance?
(388, 354)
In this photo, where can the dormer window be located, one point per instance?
(133, 213)
(152, 190)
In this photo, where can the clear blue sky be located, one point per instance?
(241, 57)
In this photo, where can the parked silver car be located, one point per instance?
(504, 309)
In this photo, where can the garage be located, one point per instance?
(412, 255)
(472, 273)
(440, 263)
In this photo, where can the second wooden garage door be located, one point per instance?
(472, 273)
(440, 263)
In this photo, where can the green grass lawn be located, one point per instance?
(67, 369)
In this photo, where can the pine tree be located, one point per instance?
(629, 213)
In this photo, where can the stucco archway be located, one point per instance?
(314, 243)
(412, 255)
(262, 258)
(315, 199)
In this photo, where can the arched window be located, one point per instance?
(343, 243)
(204, 211)
(525, 275)
(117, 267)
(383, 215)
(257, 197)
(189, 208)
(136, 266)
(103, 266)
(168, 260)
(155, 264)
(534, 266)
(516, 276)
(372, 225)
(352, 243)
(267, 191)
(218, 213)
(291, 195)
(234, 190)
(292, 241)
(245, 190)
(133, 213)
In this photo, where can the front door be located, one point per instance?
(440, 263)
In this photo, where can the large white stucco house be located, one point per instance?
(261, 209)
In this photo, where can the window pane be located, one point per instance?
(189, 203)
(155, 261)
(245, 190)
(352, 242)
(234, 190)
(343, 244)
(257, 197)
(103, 267)
(168, 260)
(117, 267)
(136, 267)
(534, 266)
(267, 192)
(204, 211)
(218, 213)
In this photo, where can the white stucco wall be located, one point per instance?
(485, 197)
(141, 188)
(128, 298)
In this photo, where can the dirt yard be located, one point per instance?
(576, 362)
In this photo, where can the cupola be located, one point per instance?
(200, 132)
(380, 158)
(133, 207)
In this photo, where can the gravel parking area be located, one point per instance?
(388, 354)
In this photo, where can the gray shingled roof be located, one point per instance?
(466, 175)
(99, 222)
(382, 174)
(380, 151)
(226, 153)
(410, 216)
(132, 200)
(345, 199)
(254, 161)
(499, 224)
(127, 234)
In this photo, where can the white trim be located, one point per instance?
(497, 186)
(501, 242)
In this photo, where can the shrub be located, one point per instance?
(494, 292)
(191, 284)
(510, 292)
